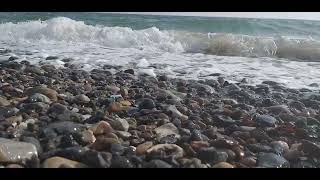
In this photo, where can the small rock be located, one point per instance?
(66, 127)
(97, 159)
(129, 71)
(156, 163)
(103, 144)
(8, 112)
(14, 151)
(33, 141)
(52, 57)
(60, 162)
(259, 148)
(101, 127)
(172, 149)
(37, 97)
(88, 137)
(123, 135)
(14, 119)
(82, 99)
(208, 154)
(125, 103)
(120, 124)
(34, 70)
(249, 161)
(4, 102)
(124, 92)
(266, 120)
(147, 103)
(14, 166)
(176, 113)
(222, 165)
(120, 162)
(167, 129)
(142, 148)
(113, 89)
(50, 93)
(314, 85)
(311, 148)
(271, 160)
(115, 107)
(280, 146)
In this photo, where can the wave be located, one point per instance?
(65, 30)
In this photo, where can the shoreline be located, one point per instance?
(100, 119)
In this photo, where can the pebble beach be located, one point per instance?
(113, 117)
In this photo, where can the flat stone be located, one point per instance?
(14, 166)
(223, 165)
(259, 148)
(119, 124)
(14, 151)
(60, 162)
(82, 98)
(37, 97)
(50, 93)
(174, 150)
(113, 89)
(52, 57)
(167, 129)
(33, 141)
(266, 120)
(4, 102)
(123, 135)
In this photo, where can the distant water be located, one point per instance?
(287, 51)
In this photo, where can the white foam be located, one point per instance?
(175, 53)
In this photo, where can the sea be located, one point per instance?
(285, 51)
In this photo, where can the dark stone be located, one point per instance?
(97, 159)
(12, 58)
(221, 157)
(156, 163)
(208, 154)
(67, 141)
(73, 153)
(120, 162)
(266, 120)
(271, 160)
(117, 149)
(147, 103)
(170, 139)
(129, 71)
(259, 148)
(52, 57)
(95, 118)
(196, 135)
(33, 162)
(8, 111)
